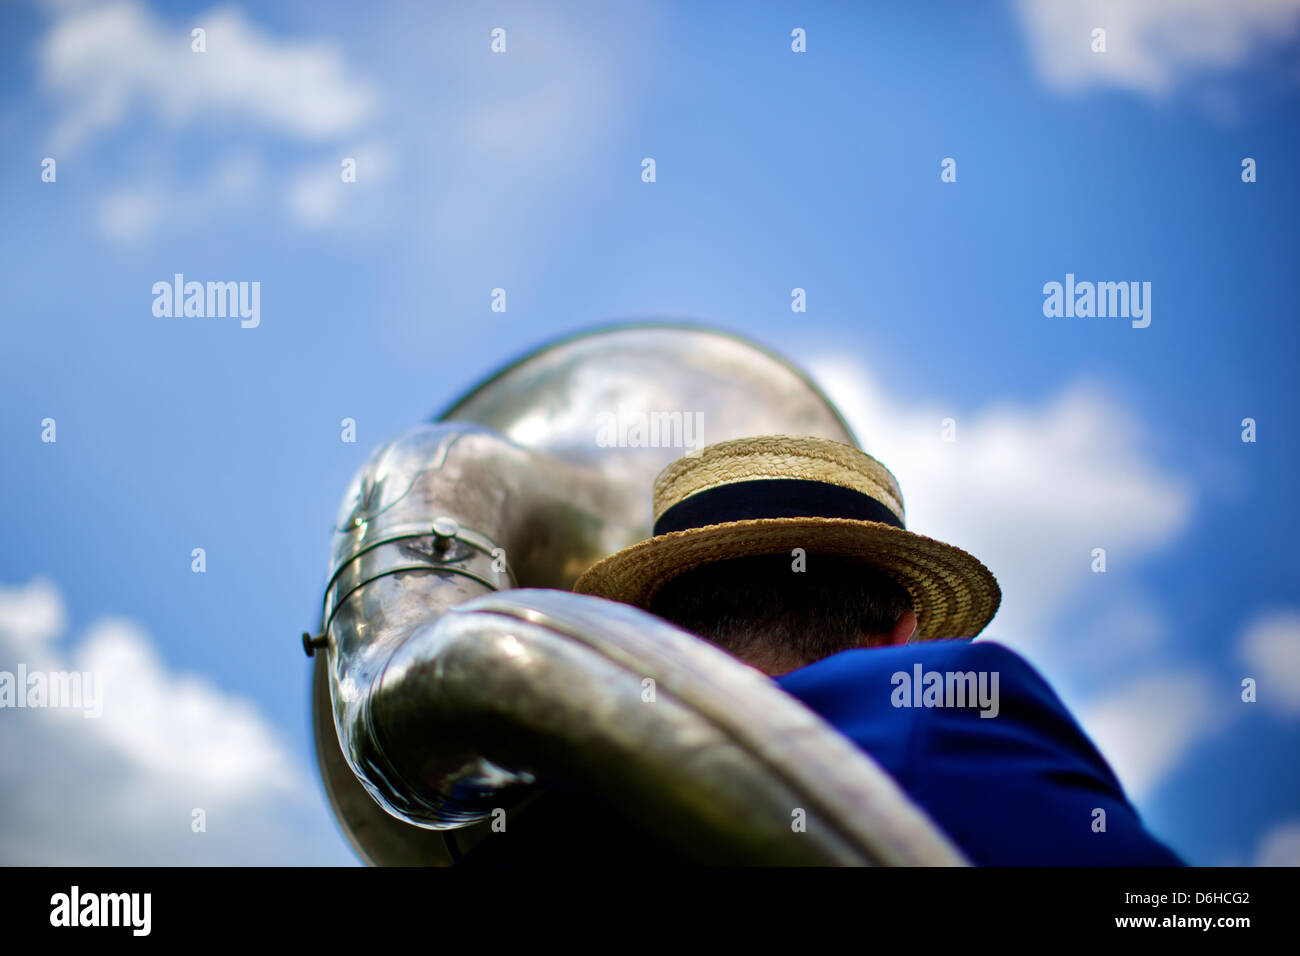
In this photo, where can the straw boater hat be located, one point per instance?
(772, 494)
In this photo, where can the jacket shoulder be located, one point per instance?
(945, 655)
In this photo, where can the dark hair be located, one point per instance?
(746, 603)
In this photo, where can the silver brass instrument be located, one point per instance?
(460, 670)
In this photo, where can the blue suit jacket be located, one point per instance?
(1020, 788)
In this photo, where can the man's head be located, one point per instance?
(772, 495)
(778, 619)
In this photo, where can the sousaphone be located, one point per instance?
(461, 680)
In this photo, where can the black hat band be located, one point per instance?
(773, 498)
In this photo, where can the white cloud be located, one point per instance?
(1280, 846)
(106, 64)
(120, 788)
(1147, 727)
(1029, 491)
(102, 61)
(478, 165)
(130, 213)
(33, 616)
(133, 212)
(317, 193)
(1270, 647)
(315, 196)
(1152, 46)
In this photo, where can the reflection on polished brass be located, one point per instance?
(438, 717)
(719, 760)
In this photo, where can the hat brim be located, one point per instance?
(953, 593)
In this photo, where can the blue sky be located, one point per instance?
(522, 171)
